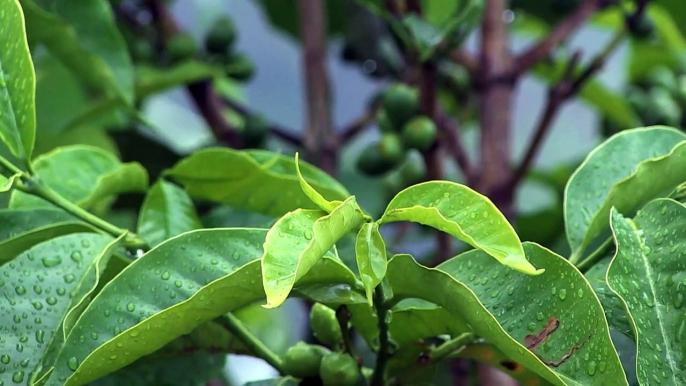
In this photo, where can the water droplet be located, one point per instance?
(679, 301)
(51, 300)
(5, 358)
(539, 316)
(308, 235)
(68, 278)
(648, 300)
(562, 294)
(18, 376)
(165, 275)
(24, 363)
(20, 290)
(591, 367)
(85, 243)
(107, 313)
(178, 283)
(40, 336)
(73, 363)
(37, 305)
(94, 335)
(580, 293)
(130, 307)
(20, 347)
(61, 291)
(290, 227)
(49, 262)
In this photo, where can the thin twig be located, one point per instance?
(383, 355)
(545, 47)
(462, 57)
(453, 143)
(236, 327)
(312, 21)
(557, 96)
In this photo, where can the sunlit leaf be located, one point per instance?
(370, 252)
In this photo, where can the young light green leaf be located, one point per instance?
(84, 36)
(17, 84)
(370, 251)
(153, 79)
(37, 286)
(312, 193)
(511, 310)
(167, 212)
(259, 181)
(84, 175)
(297, 241)
(621, 172)
(646, 273)
(463, 213)
(224, 275)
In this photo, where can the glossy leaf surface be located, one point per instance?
(463, 213)
(312, 193)
(298, 240)
(647, 273)
(37, 288)
(84, 175)
(17, 84)
(621, 172)
(167, 212)
(370, 252)
(257, 180)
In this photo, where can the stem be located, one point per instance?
(343, 316)
(49, 195)
(593, 258)
(382, 356)
(9, 166)
(236, 327)
(448, 348)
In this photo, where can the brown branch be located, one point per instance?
(279, 131)
(463, 58)
(453, 144)
(350, 131)
(562, 31)
(311, 15)
(208, 103)
(565, 89)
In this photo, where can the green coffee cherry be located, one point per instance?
(401, 103)
(419, 133)
(239, 67)
(325, 325)
(371, 163)
(384, 123)
(221, 36)
(413, 171)
(181, 47)
(391, 148)
(255, 131)
(338, 369)
(304, 360)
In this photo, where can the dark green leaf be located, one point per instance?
(184, 282)
(84, 175)
(622, 173)
(38, 286)
(460, 211)
(257, 180)
(17, 84)
(167, 212)
(298, 240)
(284, 17)
(370, 251)
(85, 37)
(647, 273)
(615, 313)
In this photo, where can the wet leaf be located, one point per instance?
(84, 36)
(622, 173)
(84, 175)
(647, 273)
(38, 286)
(170, 291)
(257, 180)
(370, 251)
(505, 306)
(463, 213)
(312, 193)
(615, 313)
(298, 240)
(167, 212)
(17, 84)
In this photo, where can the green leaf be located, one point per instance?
(37, 286)
(298, 240)
(174, 298)
(622, 172)
(284, 17)
(462, 213)
(17, 84)
(645, 273)
(188, 370)
(84, 175)
(167, 212)
(615, 314)
(259, 181)
(152, 80)
(84, 36)
(504, 306)
(312, 193)
(12, 247)
(370, 251)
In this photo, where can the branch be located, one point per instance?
(560, 93)
(277, 130)
(562, 31)
(454, 145)
(465, 59)
(311, 15)
(208, 103)
(349, 132)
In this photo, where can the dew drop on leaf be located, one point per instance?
(562, 294)
(73, 363)
(18, 376)
(40, 336)
(49, 262)
(5, 358)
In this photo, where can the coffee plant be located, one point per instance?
(226, 235)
